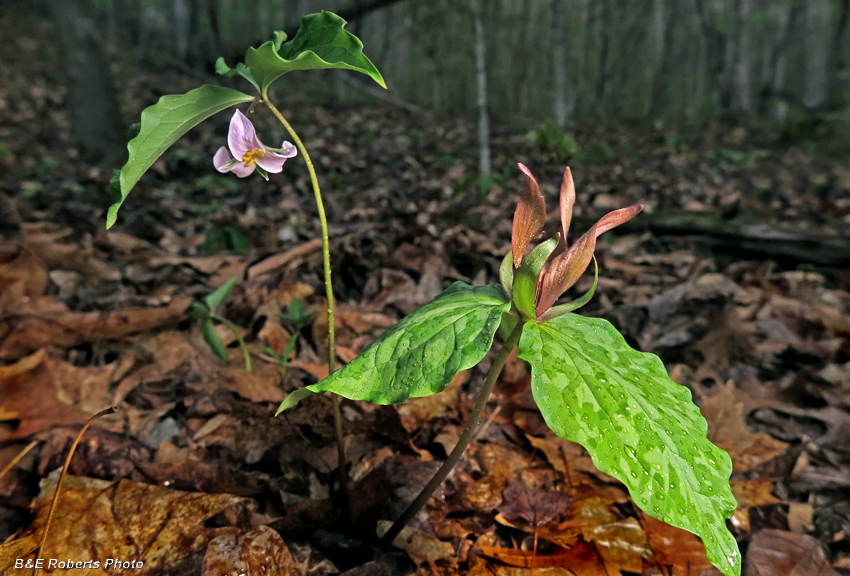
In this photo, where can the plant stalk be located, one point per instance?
(463, 441)
(246, 354)
(326, 256)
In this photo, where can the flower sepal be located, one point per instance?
(571, 306)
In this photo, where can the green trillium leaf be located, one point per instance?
(162, 124)
(506, 273)
(213, 341)
(637, 424)
(421, 354)
(321, 42)
(220, 294)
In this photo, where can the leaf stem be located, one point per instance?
(462, 442)
(246, 355)
(55, 499)
(326, 254)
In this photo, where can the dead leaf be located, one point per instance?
(47, 323)
(156, 527)
(727, 429)
(778, 553)
(257, 551)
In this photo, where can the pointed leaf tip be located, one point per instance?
(529, 217)
(567, 201)
(566, 268)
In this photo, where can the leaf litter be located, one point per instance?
(212, 481)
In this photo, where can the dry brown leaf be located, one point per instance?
(46, 322)
(257, 551)
(42, 392)
(22, 276)
(419, 544)
(582, 559)
(778, 553)
(750, 493)
(727, 429)
(155, 527)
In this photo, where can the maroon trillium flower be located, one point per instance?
(247, 153)
(566, 264)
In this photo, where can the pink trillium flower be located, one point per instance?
(247, 153)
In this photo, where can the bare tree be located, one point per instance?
(481, 81)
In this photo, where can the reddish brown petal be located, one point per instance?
(529, 217)
(568, 199)
(566, 268)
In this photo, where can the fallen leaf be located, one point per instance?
(778, 553)
(727, 429)
(257, 551)
(155, 527)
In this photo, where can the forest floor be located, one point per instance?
(738, 279)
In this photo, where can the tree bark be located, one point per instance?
(658, 102)
(559, 62)
(741, 103)
(96, 128)
(481, 82)
(838, 59)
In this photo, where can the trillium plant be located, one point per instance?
(591, 387)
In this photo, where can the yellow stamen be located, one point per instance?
(251, 156)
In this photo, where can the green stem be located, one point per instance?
(246, 355)
(465, 437)
(326, 255)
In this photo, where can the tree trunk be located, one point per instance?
(741, 103)
(838, 59)
(559, 62)
(481, 78)
(658, 103)
(96, 128)
(817, 24)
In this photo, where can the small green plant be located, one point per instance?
(226, 238)
(637, 424)
(297, 315)
(740, 157)
(206, 311)
(590, 386)
(551, 139)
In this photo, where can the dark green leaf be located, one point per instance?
(196, 311)
(213, 341)
(320, 43)
(162, 124)
(637, 424)
(421, 354)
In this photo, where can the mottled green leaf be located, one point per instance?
(320, 43)
(162, 124)
(213, 341)
(421, 354)
(638, 425)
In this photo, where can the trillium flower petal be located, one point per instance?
(273, 161)
(529, 217)
(566, 268)
(242, 170)
(241, 137)
(223, 160)
(568, 200)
